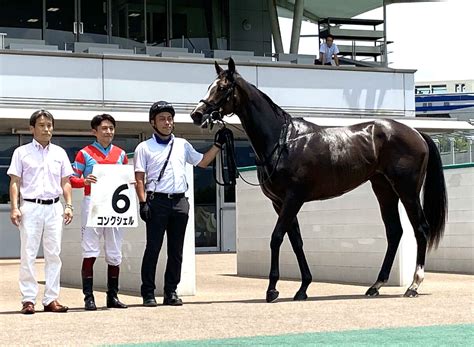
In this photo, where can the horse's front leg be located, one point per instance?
(294, 234)
(287, 214)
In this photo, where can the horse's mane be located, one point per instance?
(276, 109)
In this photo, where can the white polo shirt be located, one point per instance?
(40, 169)
(328, 52)
(150, 157)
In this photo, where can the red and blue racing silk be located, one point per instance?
(93, 154)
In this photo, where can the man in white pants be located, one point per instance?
(102, 151)
(39, 173)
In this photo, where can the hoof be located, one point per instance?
(272, 295)
(372, 292)
(411, 293)
(300, 296)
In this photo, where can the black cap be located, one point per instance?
(160, 106)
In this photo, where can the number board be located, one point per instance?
(113, 197)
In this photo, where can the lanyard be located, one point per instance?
(151, 196)
(166, 163)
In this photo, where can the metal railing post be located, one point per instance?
(470, 150)
(452, 142)
(2, 40)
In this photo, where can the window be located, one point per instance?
(128, 21)
(21, 19)
(423, 90)
(8, 143)
(460, 88)
(439, 89)
(199, 24)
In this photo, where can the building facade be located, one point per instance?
(447, 99)
(199, 25)
(118, 58)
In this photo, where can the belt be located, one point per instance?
(166, 195)
(44, 202)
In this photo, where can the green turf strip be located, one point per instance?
(440, 335)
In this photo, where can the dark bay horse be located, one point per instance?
(298, 161)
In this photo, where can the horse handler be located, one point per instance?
(163, 206)
(39, 173)
(102, 151)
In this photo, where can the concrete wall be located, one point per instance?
(344, 238)
(456, 250)
(133, 248)
(9, 235)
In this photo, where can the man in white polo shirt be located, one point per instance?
(163, 205)
(39, 173)
(328, 51)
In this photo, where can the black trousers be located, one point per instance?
(170, 215)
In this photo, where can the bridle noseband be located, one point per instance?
(213, 110)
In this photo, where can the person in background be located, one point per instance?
(328, 51)
(101, 151)
(39, 173)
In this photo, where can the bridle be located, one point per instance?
(213, 114)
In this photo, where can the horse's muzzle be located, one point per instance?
(197, 117)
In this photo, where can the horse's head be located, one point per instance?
(220, 98)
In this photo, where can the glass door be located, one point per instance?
(92, 21)
(207, 238)
(21, 19)
(60, 19)
(68, 21)
(227, 215)
(244, 156)
(128, 23)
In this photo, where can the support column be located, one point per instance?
(295, 32)
(276, 33)
(385, 48)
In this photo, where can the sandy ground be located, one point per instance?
(230, 306)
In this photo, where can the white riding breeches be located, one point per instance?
(90, 240)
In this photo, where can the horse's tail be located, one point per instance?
(435, 203)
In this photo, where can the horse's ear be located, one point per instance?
(231, 66)
(218, 68)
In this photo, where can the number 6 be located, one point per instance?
(117, 197)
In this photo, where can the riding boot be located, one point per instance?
(87, 274)
(113, 288)
(87, 285)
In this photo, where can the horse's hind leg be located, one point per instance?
(408, 186)
(286, 215)
(421, 228)
(388, 201)
(296, 241)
